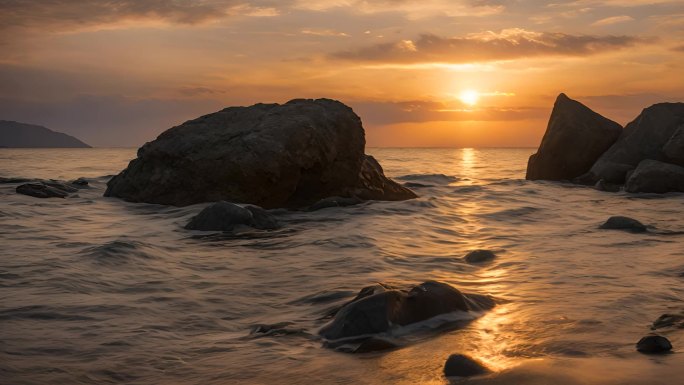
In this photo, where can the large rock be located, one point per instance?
(45, 189)
(652, 176)
(575, 138)
(644, 138)
(654, 344)
(271, 155)
(377, 309)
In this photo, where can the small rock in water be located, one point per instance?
(79, 183)
(667, 320)
(624, 223)
(334, 202)
(653, 345)
(460, 365)
(225, 216)
(45, 190)
(479, 256)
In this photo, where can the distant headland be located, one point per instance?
(22, 135)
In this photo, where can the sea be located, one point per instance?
(96, 290)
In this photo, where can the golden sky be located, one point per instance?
(464, 73)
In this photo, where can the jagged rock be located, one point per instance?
(624, 223)
(271, 155)
(45, 189)
(225, 216)
(378, 309)
(460, 365)
(575, 138)
(652, 176)
(644, 138)
(654, 344)
(479, 256)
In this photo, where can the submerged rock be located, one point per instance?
(644, 138)
(460, 365)
(575, 138)
(225, 216)
(624, 223)
(271, 155)
(652, 176)
(654, 344)
(378, 309)
(669, 320)
(480, 256)
(45, 189)
(334, 202)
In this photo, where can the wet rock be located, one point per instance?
(644, 138)
(575, 138)
(602, 185)
(45, 190)
(460, 365)
(225, 216)
(334, 202)
(674, 148)
(669, 320)
(624, 223)
(375, 344)
(480, 256)
(652, 176)
(277, 329)
(654, 344)
(271, 155)
(378, 309)
(79, 183)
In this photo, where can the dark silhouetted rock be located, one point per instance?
(644, 138)
(378, 309)
(21, 135)
(271, 155)
(460, 365)
(45, 189)
(480, 256)
(575, 138)
(602, 185)
(80, 183)
(652, 176)
(623, 223)
(674, 148)
(669, 320)
(334, 202)
(225, 216)
(653, 344)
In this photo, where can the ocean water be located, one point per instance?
(95, 290)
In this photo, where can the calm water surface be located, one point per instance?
(95, 290)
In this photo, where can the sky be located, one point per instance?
(428, 73)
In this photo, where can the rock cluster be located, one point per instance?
(584, 147)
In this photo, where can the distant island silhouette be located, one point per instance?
(22, 135)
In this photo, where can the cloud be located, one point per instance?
(488, 46)
(382, 113)
(323, 32)
(679, 48)
(74, 15)
(410, 8)
(612, 20)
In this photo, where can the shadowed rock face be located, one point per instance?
(575, 138)
(225, 216)
(271, 155)
(377, 309)
(652, 135)
(652, 176)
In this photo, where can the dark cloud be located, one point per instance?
(679, 48)
(381, 113)
(508, 44)
(55, 15)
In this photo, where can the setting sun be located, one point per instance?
(469, 97)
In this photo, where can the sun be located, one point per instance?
(469, 97)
